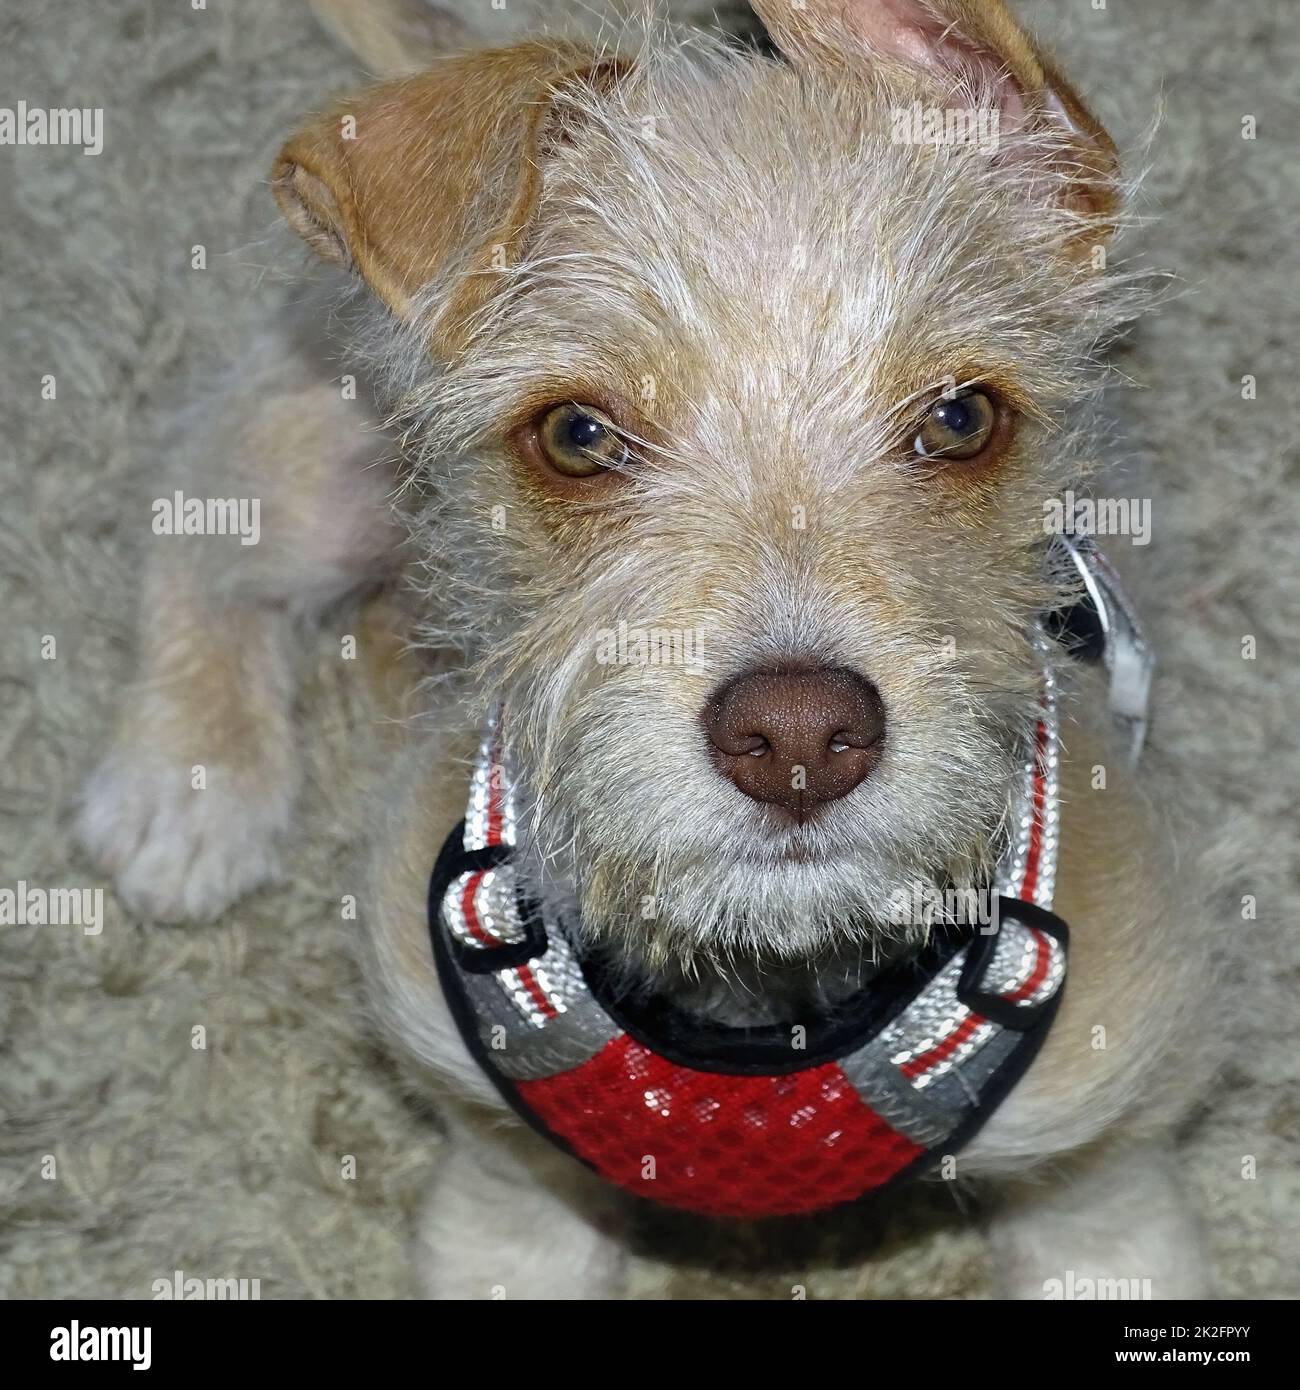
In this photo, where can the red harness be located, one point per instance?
(751, 1122)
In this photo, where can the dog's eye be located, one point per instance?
(957, 427)
(579, 441)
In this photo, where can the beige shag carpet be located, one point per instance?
(226, 1161)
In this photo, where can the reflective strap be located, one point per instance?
(1027, 869)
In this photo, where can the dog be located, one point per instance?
(686, 421)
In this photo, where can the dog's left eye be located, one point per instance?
(957, 427)
(580, 441)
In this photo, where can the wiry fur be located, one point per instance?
(797, 287)
(787, 373)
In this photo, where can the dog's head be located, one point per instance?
(740, 384)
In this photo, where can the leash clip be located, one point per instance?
(1125, 649)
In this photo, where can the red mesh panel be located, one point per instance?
(743, 1146)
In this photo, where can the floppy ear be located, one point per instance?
(972, 45)
(435, 174)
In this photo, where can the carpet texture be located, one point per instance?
(126, 1152)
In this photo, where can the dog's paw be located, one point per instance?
(176, 852)
(491, 1228)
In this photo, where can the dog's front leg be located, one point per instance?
(509, 1218)
(186, 809)
(1110, 1225)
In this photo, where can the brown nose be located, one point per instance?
(796, 738)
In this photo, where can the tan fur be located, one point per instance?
(734, 257)
(417, 171)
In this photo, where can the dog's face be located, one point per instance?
(741, 421)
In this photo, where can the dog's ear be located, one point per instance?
(437, 175)
(975, 47)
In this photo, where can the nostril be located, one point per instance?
(860, 738)
(735, 743)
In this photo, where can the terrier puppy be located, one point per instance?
(727, 389)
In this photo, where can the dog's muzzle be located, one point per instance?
(789, 1118)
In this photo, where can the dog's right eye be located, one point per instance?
(580, 441)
